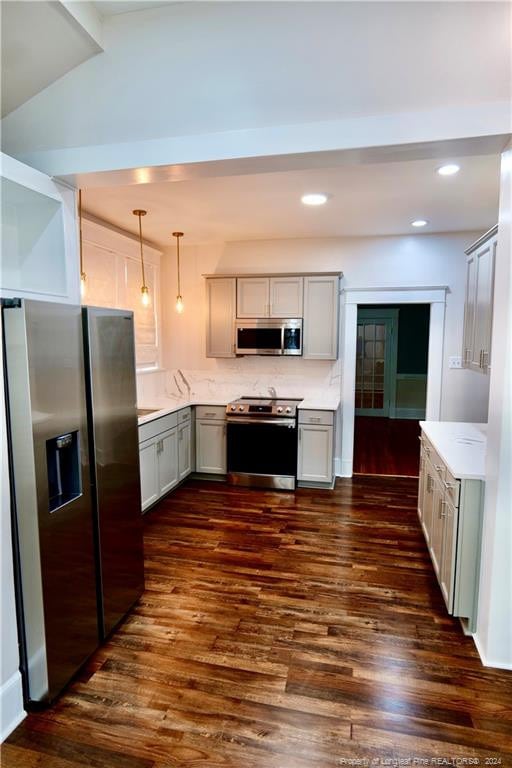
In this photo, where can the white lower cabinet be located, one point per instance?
(450, 512)
(148, 473)
(165, 455)
(315, 448)
(211, 450)
(184, 450)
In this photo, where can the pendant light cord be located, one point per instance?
(178, 260)
(141, 251)
(80, 231)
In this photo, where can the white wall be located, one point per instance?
(11, 696)
(418, 260)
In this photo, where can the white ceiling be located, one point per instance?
(115, 7)
(196, 68)
(370, 199)
(39, 44)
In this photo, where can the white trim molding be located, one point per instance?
(11, 705)
(351, 299)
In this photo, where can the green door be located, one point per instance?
(375, 358)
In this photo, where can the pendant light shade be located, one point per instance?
(144, 290)
(179, 297)
(83, 276)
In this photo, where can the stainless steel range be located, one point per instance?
(262, 442)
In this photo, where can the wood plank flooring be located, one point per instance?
(385, 446)
(279, 630)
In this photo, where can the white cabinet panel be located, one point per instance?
(321, 317)
(315, 453)
(220, 316)
(253, 296)
(168, 461)
(286, 296)
(148, 473)
(184, 450)
(211, 455)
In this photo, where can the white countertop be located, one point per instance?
(461, 446)
(166, 405)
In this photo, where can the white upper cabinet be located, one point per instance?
(321, 317)
(476, 352)
(111, 262)
(220, 315)
(253, 297)
(286, 296)
(269, 296)
(39, 243)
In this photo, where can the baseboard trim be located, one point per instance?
(489, 662)
(11, 705)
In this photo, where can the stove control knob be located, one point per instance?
(233, 407)
(280, 409)
(240, 407)
(288, 409)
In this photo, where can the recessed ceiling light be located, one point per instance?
(448, 170)
(314, 198)
(419, 223)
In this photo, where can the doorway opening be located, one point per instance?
(390, 387)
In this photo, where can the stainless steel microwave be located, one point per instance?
(268, 337)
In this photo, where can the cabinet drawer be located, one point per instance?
(316, 417)
(184, 415)
(155, 427)
(452, 488)
(211, 412)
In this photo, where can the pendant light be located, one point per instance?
(179, 298)
(144, 290)
(83, 276)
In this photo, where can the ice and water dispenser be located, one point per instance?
(63, 466)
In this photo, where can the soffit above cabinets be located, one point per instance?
(274, 274)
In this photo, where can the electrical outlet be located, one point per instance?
(455, 362)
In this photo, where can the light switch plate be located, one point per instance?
(455, 362)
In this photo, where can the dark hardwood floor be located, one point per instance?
(279, 630)
(386, 446)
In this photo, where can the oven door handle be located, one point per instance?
(290, 423)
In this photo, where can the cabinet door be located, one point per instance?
(148, 460)
(253, 297)
(436, 528)
(211, 447)
(315, 453)
(220, 316)
(447, 569)
(168, 460)
(468, 350)
(428, 501)
(184, 450)
(422, 484)
(320, 318)
(286, 296)
(485, 257)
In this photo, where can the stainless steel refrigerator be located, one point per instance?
(67, 580)
(114, 449)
